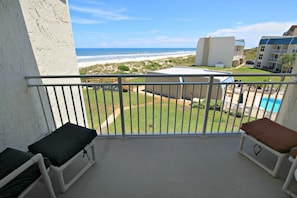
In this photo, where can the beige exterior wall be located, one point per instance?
(172, 91)
(183, 91)
(220, 49)
(36, 39)
(200, 91)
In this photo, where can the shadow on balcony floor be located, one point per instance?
(175, 167)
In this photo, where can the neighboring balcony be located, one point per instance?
(171, 138)
(279, 51)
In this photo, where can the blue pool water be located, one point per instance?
(271, 101)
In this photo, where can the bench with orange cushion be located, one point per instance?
(271, 136)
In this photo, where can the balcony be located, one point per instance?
(174, 167)
(161, 138)
(278, 51)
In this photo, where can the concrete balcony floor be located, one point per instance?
(175, 167)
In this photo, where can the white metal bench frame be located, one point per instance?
(38, 159)
(58, 170)
(292, 172)
(280, 156)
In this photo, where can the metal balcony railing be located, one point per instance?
(132, 105)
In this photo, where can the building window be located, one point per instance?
(294, 49)
(276, 56)
(278, 47)
(258, 64)
(262, 48)
(260, 56)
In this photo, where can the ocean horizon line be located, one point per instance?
(116, 54)
(87, 56)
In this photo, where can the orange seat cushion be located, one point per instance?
(272, 134)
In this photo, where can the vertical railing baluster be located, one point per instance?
(223, 106)
(65, 103)
(105, 110)
(198, 109)
(176, 101)
(285, 91)
(58, 105)
(161, 108)
(145, 110)
(253, 102)
(275, 100)
(98, 112)
(168, 108)
(191, 108)
(230, 108)
(50, 106)
(130, 109)
(138, 113)
(90, 108)
(121, 105)
(43, 110)
(208, 97)
(244, 107)
(153, 111)
(82, 104)
(183, 111)
(113, 110)
(266, 105)
(214, 108)
(73, 104)
(258, 109)
(237, 106)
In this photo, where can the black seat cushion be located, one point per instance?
(63, 143)
(11, 159)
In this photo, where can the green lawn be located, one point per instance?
(153, 116)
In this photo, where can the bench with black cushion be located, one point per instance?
(12, 159)
(63, 146)
(271, 136)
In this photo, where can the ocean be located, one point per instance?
(108, 54)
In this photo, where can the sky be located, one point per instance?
(176, 23)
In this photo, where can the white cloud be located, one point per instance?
(85, 21)
(107, 15)
(253, 33)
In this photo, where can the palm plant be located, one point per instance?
(287, 61)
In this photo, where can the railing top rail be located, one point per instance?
(155, 83)
(155, 75)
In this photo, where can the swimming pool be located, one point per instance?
(270, 104)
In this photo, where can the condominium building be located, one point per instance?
(271, 48)
(219, 51)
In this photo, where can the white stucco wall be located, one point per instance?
(221, 49)
(288, 110)
(35, 39)
(199, 51)
(20, 121)
(50, 33)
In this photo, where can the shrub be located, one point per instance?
(123, 68)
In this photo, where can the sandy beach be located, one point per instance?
(87, 64)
